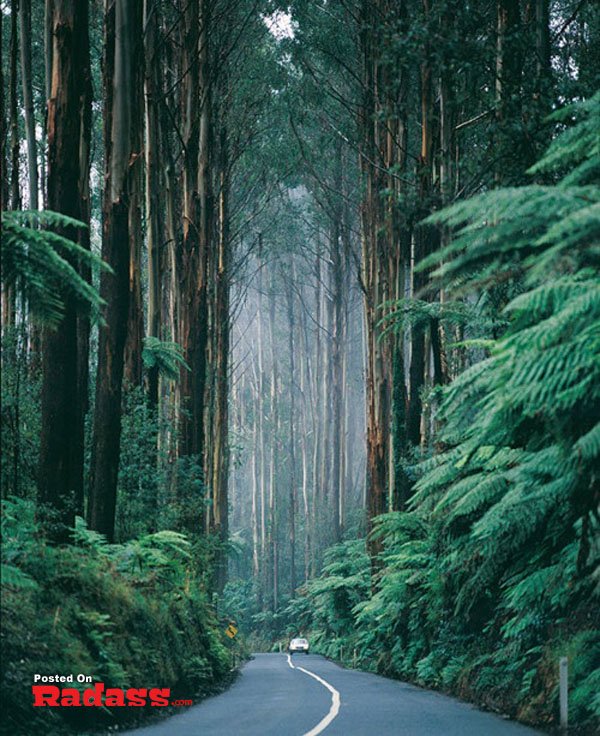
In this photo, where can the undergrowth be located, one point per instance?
(131, 615)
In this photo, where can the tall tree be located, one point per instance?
(292, 501)
(511, 149)
(375, 258)
(122, 41)
(155, 203)
(15, 189)
(64, 361)
(218, 461)
(32, 163)
(193, 264)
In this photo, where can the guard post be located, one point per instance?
(563, 686)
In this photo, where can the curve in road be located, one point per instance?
(274, 698)
(335, 700)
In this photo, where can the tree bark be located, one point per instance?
(123, 24)
(292, 435)
(7, 314)
(64, 362)
(32, 162)
(426, 238)
(135, 319)
(15, 189)
(375, 266)
(220, 450)
(336, 387)
(260, 348)
(273, 465)
(155, 204)
(197, 218)
(511, 161)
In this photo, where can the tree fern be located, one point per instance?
(166, 356)
(38, 262)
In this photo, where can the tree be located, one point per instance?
(64, 393)
(32, 163)
(155, 204)
(123, 23)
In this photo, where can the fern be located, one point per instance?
(43, 265)
(14, 577)
(166, 357)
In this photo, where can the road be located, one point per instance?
(308, 695)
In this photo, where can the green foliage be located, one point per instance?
(42, 264)
(418, 313)
(324, 610)
(132, 615)
(19, 414)
(166, 357)
(155, 492)
(535, 230)
(142, 474)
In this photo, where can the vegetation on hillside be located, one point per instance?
(135, 614)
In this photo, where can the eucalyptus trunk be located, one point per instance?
(65, 349)
(123, 39)
(32, 160)
(292, 501)
(155, 204)
(15, 188)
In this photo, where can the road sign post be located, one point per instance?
(563, 680)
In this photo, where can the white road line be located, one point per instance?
(335, 701)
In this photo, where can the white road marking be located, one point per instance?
(335, 700)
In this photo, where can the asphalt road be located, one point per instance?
(269, 698)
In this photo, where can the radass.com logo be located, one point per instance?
(56, 691)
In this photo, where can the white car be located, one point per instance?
(298, 645)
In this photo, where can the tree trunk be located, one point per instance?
(155, 205)
(188, 270)
(292, 435)
(15, 189)
(197, 218)
(425, 239)
(64, 362)
(375, 267)
(511, 161)
(274, 417)
(32, 163)
(255, 483)
(220, 450)
(317, 422)
(324, 385)
(7, 314)
(306, 433)
(135, 320)
(123, 24)
(260, 348)
(336, 388)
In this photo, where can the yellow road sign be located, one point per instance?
(231, 631)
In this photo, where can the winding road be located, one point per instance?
(276, 695)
